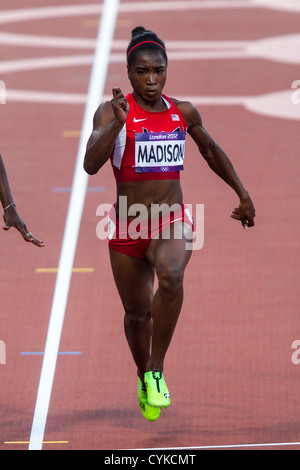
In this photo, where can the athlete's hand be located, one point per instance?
(245, 213)
(120, 105)
(12, 219)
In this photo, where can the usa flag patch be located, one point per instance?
(175, 117)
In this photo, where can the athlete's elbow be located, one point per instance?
(90, 171)
(89, 168)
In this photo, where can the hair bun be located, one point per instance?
(145, 39)
(138, 31)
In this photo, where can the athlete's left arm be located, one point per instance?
(218, 162)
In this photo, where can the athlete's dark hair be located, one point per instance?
(142, 39)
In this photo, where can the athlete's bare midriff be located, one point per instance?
(150, 194)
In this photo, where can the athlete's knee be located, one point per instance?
(171, 279)
(138, 316)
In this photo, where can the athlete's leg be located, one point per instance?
(134, 278)
(170, 258)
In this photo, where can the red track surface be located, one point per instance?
(229, 367)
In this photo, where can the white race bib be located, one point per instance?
(159, 151)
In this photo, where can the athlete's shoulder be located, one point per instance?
(185, 106)
(189, 111)
(104, 113)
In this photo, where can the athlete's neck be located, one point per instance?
(153, 106)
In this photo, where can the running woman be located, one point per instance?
(11, 217)
(143, 135)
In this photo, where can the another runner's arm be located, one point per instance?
(109, 119)
(11, 217)
(5, 193)
(218, 162)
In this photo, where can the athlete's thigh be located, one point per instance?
(134, 278)
(170, 252)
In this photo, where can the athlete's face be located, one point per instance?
(148, 74)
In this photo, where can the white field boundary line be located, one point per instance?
(234, 446)
(19, 15)
(80, 182)
(26, 14)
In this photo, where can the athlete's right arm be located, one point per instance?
(109, 119)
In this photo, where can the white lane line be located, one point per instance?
(179, 5)
(13, 16)
(80, 182)
(41, 63)
(282, 49)
(49, 97)
(37, 40)
(284, 5)
(234, 446)
(279, 104)
(29, 14)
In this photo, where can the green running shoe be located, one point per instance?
(157, 390)
(149, 412)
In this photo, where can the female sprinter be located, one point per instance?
(11, 217)
(132, 131)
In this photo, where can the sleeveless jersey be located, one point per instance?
(150, 146)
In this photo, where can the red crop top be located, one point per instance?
(150, 146)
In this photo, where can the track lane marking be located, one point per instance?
(227, 446)
(27, 442)
(55, 270)
(69, 245)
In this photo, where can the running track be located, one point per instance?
(230, 365)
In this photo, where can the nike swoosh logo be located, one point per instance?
(139, 120)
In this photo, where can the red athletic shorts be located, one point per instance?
(132, 237)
